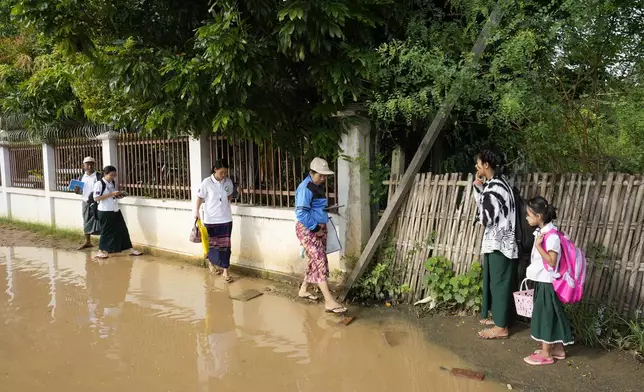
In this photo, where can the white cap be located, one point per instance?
(89, 160)
(321, 166)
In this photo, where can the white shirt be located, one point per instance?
(216, 207)
(536, 270)
(109, 204)
(89, 182)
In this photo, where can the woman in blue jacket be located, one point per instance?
(311, 211)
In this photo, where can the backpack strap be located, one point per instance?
(103, 186)
(547, 235)
(99, 177)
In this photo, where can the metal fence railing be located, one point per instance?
(155, 168)
(68, 158)
(26, 166)
(264, 174)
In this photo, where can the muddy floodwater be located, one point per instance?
(69, 323)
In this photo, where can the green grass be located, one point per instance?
(39, 228)
(596, 324)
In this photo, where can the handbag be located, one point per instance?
(195, 233)
(524, 300)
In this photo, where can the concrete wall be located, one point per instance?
(28, 205)
(263, 238)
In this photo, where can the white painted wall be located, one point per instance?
(3, 203)
(29, 205)
(263, 238)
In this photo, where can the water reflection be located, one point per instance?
(215, 343)
(73, 323)
(107, 286)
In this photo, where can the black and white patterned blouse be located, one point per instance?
(497, 213)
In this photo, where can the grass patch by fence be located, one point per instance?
(47, 230)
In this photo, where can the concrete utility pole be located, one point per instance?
(417, 162)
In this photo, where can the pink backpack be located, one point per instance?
(570, 272)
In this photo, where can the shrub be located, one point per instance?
(383, 280)
(451, 290)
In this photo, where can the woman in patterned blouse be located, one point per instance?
(497, 213)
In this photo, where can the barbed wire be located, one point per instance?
(13, 129)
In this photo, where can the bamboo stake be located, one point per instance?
(418, 160)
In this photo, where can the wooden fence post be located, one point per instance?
(397, 170)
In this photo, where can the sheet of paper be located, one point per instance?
(333, 240)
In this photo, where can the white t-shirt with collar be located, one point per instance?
(110, 204)
(216, 207)
(536, 270)
(88, 188)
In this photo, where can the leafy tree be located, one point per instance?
(258, 69)
(558, 89)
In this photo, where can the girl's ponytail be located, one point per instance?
(551, 213)
(540, 206)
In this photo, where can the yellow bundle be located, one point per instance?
(204, 237)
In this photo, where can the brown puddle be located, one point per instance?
(68, 323)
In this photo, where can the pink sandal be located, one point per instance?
(557, 357)
(538, 360)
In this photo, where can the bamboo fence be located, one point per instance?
(602, 214)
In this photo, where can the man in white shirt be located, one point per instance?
(91, 225)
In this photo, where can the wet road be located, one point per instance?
(68, 323)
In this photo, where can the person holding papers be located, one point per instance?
(115, 236)
(84, 186)
(312, 219)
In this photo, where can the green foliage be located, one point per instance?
(451, 290)
(259, 70)
(382, 281)
(593, 323)
(596, 324)
(559, 87)
(44, 230)
(631, 338)
(377, 177)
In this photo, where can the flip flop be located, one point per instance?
(102, 256)
(538, 360)
(136, 253)
(309, 297)
(228, 279)
(84, 246)
(340, 310)
(214, 270)
(486, 322)
(557, 357)
(482, 335)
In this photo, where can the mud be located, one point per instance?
(70, 323)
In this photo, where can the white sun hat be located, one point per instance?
(321, 166)
(89, 160)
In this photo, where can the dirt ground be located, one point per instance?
(585, 370)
